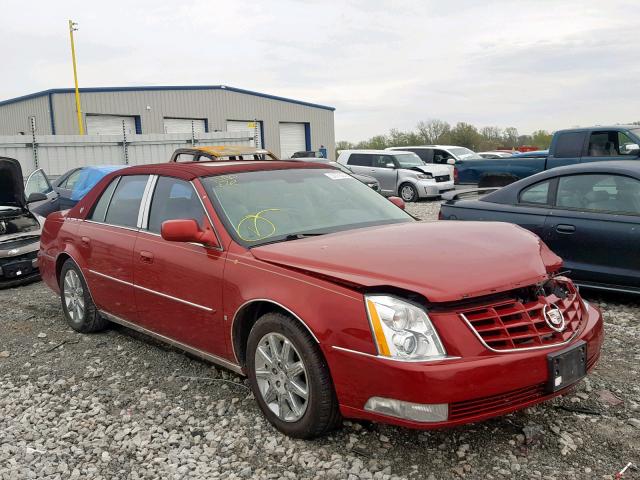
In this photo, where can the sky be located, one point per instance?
(539, 64)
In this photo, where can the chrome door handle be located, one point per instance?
(146, 257)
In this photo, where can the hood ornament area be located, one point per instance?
(554, 318)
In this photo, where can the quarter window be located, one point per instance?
(360, 160)
(538, 193)
(174, 199)
(601, 193)
(125, 203)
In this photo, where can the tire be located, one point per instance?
(408, 192)
(79, 310)
(276, 392)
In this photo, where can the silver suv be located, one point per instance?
(399, 173)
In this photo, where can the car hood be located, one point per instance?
(11, 183)
(443, 261)
(433, 169)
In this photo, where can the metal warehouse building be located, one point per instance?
(281, 125)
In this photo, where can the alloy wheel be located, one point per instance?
(281, 377)
(407, 193)
(74, 296)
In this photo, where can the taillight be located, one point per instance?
(455, 174)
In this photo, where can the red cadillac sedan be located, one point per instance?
(331, 299)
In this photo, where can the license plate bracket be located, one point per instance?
(567, 366)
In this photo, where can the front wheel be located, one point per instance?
(408, 192)
(290, 378)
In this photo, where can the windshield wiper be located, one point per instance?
(298, 236)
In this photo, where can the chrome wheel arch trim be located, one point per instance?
(182, 346)
(267, 300)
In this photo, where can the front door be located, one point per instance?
(385, 169)
(179, 285)
(595, 228)
(39, 183)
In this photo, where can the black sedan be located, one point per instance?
(588, 214)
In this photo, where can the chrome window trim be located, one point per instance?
(248, 302)
(170, 297)
(395, 359)
(112, 225)
(143, 214)
(144, 201)
(516, 350)
(194, 351)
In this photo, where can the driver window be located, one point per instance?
(174, 199)
(381, 161)
(440, 156)
(603, 193)
(71, 180)
(37, 182)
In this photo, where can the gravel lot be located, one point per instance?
(119, 405)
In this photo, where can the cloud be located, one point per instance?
(382, 63)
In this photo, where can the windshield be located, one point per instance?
(408, 160)
(465, 154)
(267, 206)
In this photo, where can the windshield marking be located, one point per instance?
(254, 228)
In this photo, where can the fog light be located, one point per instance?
(34, 263)
(418, 412)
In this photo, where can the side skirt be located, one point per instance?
(194, 351)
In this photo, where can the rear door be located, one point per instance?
(179, 285)
(595, 228)
(106, 241)
(361, 163)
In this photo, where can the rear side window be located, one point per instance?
(125, 203)
(360, 159)
(174, 199)
(569, 145)
(100, 210)
(536, 194)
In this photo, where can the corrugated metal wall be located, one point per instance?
(14, 117)
(217, 106)
(57, 154)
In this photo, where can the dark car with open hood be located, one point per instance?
(19, 226)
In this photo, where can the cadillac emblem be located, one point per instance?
(554, 318)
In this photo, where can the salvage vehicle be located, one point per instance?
(370, 182)
(19, 226)
(399, 173)
(74, 184)
(587, 213)
(578, 145)
(322, 292)
(448, 155)
(221, 152)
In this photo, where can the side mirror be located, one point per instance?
(390, 165)
(36, 197)
(630, 148)
(187, 230)
(451, 161)
(398, 202)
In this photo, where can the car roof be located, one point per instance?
(227, 150)
(599, 127)
(509, 194)
(191, 170)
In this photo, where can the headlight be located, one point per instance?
(402, 330)
(424, 176)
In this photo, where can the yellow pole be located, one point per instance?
(72, 28)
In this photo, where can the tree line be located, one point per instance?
(439, 132)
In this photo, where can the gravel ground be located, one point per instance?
(119, 405)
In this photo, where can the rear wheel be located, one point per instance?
(79, 310)
(290, 378)
(408, 192)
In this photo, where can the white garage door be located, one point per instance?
(292, 139)
(183, 125)
(243, 126)
(109, 124)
